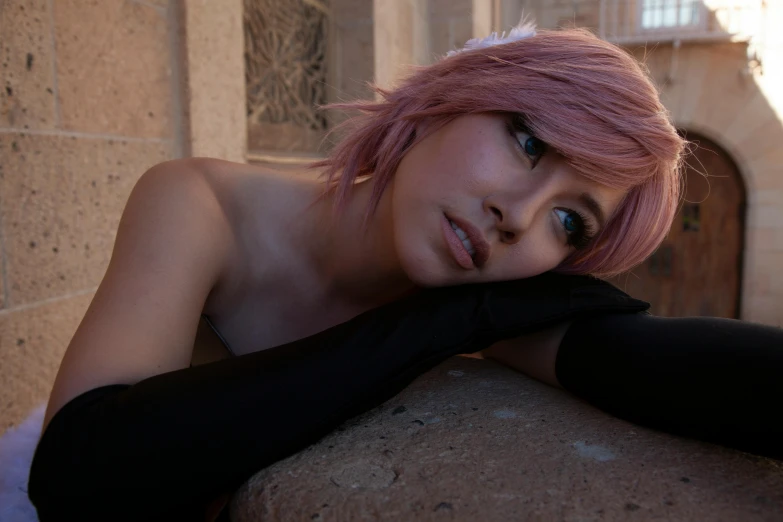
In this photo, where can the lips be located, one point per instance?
(458, 246)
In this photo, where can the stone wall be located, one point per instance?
(94, 92)
(86, 106)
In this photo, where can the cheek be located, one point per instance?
(534, 255)
(468, 162)
(416, 258)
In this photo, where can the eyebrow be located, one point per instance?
(593, 206)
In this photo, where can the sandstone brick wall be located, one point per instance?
(86, 106)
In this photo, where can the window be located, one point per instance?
(286, 74)
(663, 14)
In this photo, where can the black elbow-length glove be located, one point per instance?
(719, 380)
(164, 447)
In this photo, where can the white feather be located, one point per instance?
(17, 446)
(525, 29)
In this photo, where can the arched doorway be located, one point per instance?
(697, 270)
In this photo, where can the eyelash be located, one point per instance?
(579, 238)
(516, 125)
(584, 233)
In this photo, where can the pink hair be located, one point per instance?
(584, 97)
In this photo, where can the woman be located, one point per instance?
(546, 152)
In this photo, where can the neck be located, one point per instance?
(355, 259)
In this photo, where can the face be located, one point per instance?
(480, 199)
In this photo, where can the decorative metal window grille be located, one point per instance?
(286, 74)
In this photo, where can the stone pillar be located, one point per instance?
(401, 38)
(212, 79)
(486, 17)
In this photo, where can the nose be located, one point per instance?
(514, 214)
(508, 233)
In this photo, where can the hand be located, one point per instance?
(215, 507)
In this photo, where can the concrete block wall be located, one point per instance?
(86, 106)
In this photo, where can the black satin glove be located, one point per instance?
(166, 446)
(718, 380)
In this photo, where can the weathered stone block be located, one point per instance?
(27, 97)
(61, 199)
(114, 68)
(473, 440)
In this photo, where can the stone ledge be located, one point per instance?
(472, 440)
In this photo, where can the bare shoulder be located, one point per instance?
(243, 188)
(176, 207)
(171, 249)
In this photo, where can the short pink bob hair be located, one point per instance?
(586, 98)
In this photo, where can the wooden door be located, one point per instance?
(697, 270)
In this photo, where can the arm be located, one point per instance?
(533, 354)
(166, 445)
(714, 379)
(167, 257)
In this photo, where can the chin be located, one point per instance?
(429, 280)
(424, 268)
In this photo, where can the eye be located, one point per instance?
(576, 227)
(571, 221)
(531, 146)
